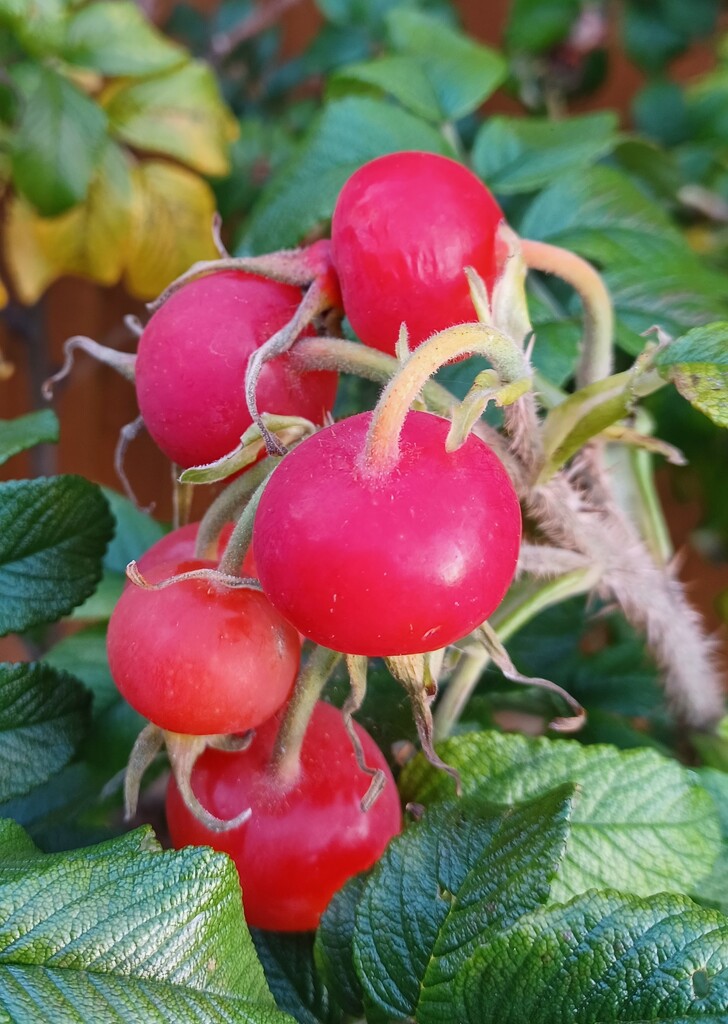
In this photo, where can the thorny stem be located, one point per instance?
(596, 355)
(228, 505)
(286, 757)
(381, 450)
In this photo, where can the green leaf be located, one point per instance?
(44, 715)
(84, 654)
(39, 28)
(114, 38)
(58, 141)
(642, 824)
(677, 294)
(134, 533)
(334, 948)
(537, 25)
(442, 887)
(462, 72)
(346, 135)
(53, 534)
(604, 958)
(179, 114)
(48, 810)
(713, 890)
(697, 364)
(298, 988)
(123, 931)
(401, 77)
(102, 602)
(26, 432)
(657, 32)
(599, 213)
(524, 154)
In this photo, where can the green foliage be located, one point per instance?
(27, 431)
(102, 933)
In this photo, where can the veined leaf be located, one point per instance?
(43, 717)
(697, 364)
(443, 887)
(462, 72)
(348, 133)
(297, 986)
(334, 948)
(114, 38)
(27, 431)
(642, 823)
(516, 154)
(53, 534)
(123, 930)
(605, 958)
(90, 240)
(58, 140)
(179, 113)
(401, 77)
(172, 215)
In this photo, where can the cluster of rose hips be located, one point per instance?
(370, 537)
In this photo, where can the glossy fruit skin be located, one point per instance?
(403, 564)
(192, 358)
(404, 227)
(301, 844)
(200, 658)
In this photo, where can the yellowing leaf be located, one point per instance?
(171, 226)
(179, 113)
(90, 240)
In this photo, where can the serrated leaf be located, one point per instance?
(443, 887)
(347, 134)
(43, 717)
(463, 73)
(599, 213)
(606, 958)
(401, 77)
(642, 824)
(334, 947)
(27, 431)
(180, 114)
(114, 38)
(171, 226)
(53, 534)
(697, 364)
(58, 140)
(297, 987)
(90, 240)
(524, 154)
(123, 929)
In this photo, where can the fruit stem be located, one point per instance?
(286, 758)
(521, 605)
(227, 506)
(242, 534)
(325, 353)
(381, 450)
(596, 354)
(315, 301)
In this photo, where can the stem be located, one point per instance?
(596, 355)
(315, 301)
(352, 357)
(381, 450)
(520, 606)
(286, 758)
(182, 495)
(228, 505)
(242, 534)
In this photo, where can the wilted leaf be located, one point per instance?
(179, 113)
(171, 226)
(91, 240)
